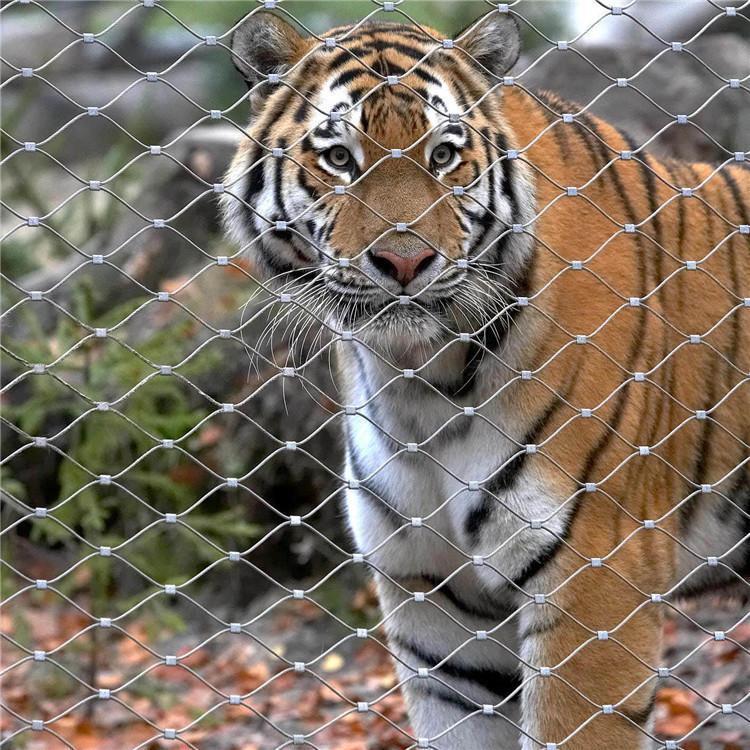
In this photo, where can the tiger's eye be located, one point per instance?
(442, 155)
(339, 157)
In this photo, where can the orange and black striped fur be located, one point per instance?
(548, 367)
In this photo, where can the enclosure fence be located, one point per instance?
(176, 566)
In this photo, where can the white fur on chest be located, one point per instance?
(431, 484)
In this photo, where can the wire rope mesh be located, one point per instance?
(270, 474)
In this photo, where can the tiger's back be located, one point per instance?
(657, 285)
(640, 285)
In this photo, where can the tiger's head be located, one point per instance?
(374, 183)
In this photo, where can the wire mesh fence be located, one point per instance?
(410, 409)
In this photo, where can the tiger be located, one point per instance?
(541, 335)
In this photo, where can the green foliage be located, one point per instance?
(91, 214)
(153, 408)
(447, 16)
(208, 16)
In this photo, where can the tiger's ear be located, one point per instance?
(494, 41)
(264, 43)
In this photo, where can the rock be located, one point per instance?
(670, 83)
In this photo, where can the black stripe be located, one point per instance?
(384, 67)
(592, 136)
(408, 96)
(488, 217)
(494, 613)
(439, 104)
(280, 106)
(614, 423)
(734, 262)
(437, 690)
(477, 517)
(500, 684)
(668, 371)
(507, 185)
(277, 267)
(508, 176)
(681, 212)
(507, 478)
(494, 335)
(736, 194)
(375, 495)
(594, 141)
(640, 717)
(539, 626)
(466, 227)
(540, 561)
(508, 475)
(300, 114)
(279, 185)
(650, 185)
(700, 471)
(453, 129)
(462, 95)
(457, 429)
(706, 443)
(256, 177)
(734, 272)
(312, 190)
(559, 131)
(423, 75)
(492, 338)
(364, 121)
(582, 121)
(367, 31)
(352, 74)
(652, 188)
(348, 76)
(744, 213)
(344, 55)
(357, 94)
(405, 49)
(326, 131)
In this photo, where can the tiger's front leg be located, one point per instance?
(593, 652)
(461, 682)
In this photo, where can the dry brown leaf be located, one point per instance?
(249, 677)
(674, 714)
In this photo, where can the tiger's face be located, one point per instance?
(374, 183)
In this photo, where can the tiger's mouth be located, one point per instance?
(405, 334)
(432, 330)
(357, 303)
(411, 329)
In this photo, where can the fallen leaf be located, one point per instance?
(332, 663)
(250, 677)
(674, 713)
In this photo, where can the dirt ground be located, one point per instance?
(147, 695)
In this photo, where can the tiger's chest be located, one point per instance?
(438, 488)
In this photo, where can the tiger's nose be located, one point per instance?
(402, 265)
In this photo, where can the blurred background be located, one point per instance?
(49, 108)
